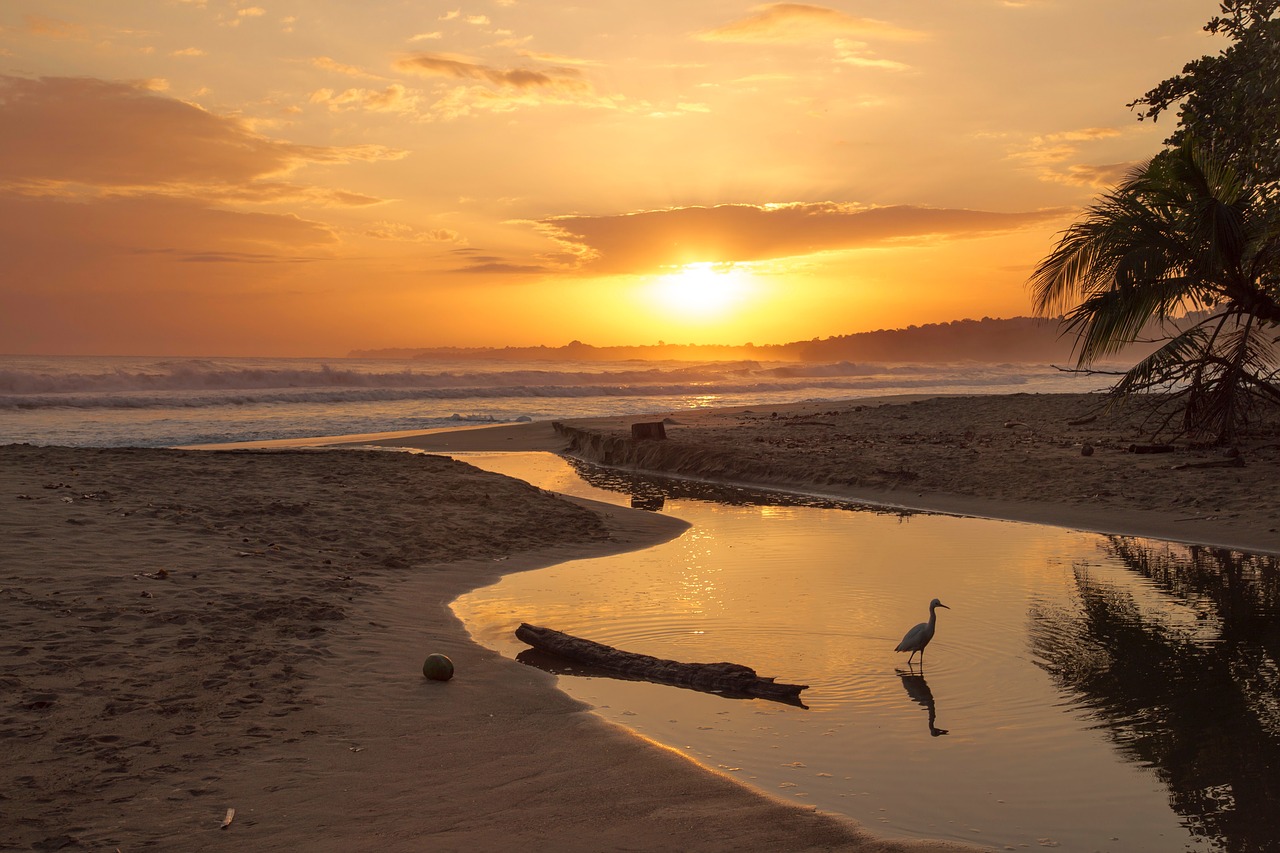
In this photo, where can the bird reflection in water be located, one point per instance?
(918, 689)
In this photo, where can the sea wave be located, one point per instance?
(197, 383)
(240, 397)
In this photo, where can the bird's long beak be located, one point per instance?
(940, 604)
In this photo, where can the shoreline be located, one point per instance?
(999, 457)
(192, 633)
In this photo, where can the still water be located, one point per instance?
(1085, 692)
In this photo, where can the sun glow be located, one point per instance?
(701, 291)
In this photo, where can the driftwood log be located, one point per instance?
(730, 679)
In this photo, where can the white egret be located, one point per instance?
(919, 636)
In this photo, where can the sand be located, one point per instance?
(184, 633)
(1019, 457)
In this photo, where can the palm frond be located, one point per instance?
(1164, 366)
(1108, 321)
(1184, 232)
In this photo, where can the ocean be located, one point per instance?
(121, 401)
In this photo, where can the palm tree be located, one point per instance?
(1184, 248)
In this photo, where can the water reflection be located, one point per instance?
(653, 503)
(1167, 738)
(1189, 686)
(650, 492)
(918, 689)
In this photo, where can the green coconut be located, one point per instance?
(437, 667)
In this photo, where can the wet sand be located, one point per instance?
(1019, 457)
(185, 633)
(188, 633)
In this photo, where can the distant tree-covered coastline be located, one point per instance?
(989, 340)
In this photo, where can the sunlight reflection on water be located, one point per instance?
(1042, 716)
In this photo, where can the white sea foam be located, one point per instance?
(105, 401)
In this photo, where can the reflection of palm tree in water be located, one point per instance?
(1191, 695)
(918, 689)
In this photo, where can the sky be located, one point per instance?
(307, 177)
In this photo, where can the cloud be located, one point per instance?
(1102, 176)
(405, 233)
(857, 54)
(477, 261)
(393, 99)
(467, 101)
(500, 89)
(244, 14)
(464, 68)
(280, 192)
(54, 28)
(557, 59)
(106, 134)
(72, 246)
(792, 23)
(1051, 157)
(503, 268)
(648, 241)
(329, 64)
(240, 258)
(188, 51)
(106, 187)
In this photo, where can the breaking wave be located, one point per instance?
(197, 383)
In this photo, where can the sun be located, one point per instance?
(701, 291)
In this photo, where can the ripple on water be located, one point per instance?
(1073, 675)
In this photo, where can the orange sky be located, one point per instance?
(311, 176)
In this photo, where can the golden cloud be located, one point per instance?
(1054, 158)
(328, 63)
(107, 186)
(393, 99)
(71, 246)
(502, 89)
(651, 240)
(405, 233)
(783, 23)
(465, 101)
(463, 68)
(1097, 176)
(122, 135)
(54, 28)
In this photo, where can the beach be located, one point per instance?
(188, 633)
(1063, 459)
